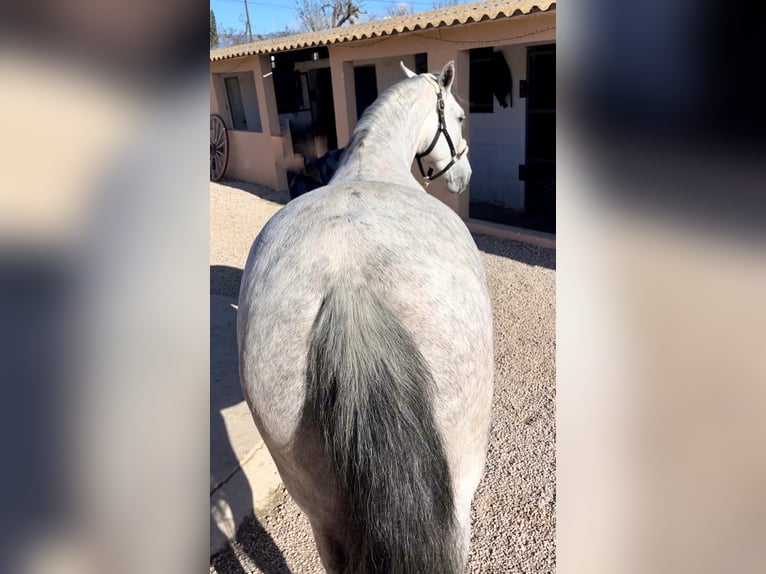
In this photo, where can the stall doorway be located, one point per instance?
(326, 107)
(540, 176)
(366, 87)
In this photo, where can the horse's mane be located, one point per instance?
(396, 99)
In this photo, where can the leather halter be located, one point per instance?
(456, 155)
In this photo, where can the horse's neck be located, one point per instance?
(383, 147)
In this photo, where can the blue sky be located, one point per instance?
(273, 15)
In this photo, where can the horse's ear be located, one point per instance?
(447, 75)
(407, 72)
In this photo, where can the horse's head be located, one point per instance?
(442, 149)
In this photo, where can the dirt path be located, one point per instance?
(514, 508)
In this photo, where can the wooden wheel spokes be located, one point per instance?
(219, 147)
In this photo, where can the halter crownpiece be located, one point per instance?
(456, 155)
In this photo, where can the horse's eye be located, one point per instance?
(460, 119)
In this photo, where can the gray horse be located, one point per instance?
(365, 343)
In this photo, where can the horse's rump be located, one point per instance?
(370, 392)
(346, 292)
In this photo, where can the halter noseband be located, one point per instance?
(456, 155)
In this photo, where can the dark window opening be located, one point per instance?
(366, 88)
(293, 89)
(480, 92)
(236, 105)
(542, 95)
(305, 100)
(421, 63)
(288, 89)
(326, 107)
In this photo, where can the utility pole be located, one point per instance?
(247, 25)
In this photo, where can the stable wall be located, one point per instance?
(387, 70)
(443, 45)
(254, 156)
(498, 142)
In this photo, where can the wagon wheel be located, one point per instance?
(219, 147)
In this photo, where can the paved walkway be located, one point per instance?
(242, 474)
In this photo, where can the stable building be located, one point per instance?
(301, 96)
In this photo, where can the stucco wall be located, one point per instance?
(497, 142)
(258, 157)
(255, 157)
(249, 99)
(387, 70)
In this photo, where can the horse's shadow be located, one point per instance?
(266, 193)
(259, 547)
(225, 392)
(522, 252)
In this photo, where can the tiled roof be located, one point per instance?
(439, 18)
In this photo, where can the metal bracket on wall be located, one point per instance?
(523, 87)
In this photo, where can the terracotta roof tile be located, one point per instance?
(439, 18)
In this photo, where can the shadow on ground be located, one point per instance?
(225, 392)
(281, 197)
(261, 551)
(225, 280)
(522, 252)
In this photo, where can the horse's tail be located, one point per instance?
(370, 392)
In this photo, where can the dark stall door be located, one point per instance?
(540, 176)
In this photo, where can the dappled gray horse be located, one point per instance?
(365, 343)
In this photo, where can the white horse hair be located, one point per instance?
(365, 345)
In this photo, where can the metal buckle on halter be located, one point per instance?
(442, 129)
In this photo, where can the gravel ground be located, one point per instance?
(514, 507)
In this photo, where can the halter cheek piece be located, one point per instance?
(456, 155)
